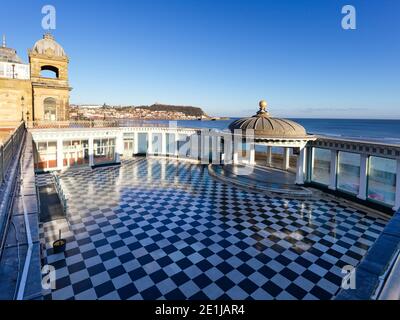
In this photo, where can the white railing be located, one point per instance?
(115, 123)
(60, 192)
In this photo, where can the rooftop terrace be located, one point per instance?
(145, 215)
(153, 228)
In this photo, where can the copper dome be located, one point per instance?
(265, 126)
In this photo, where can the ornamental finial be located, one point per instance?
(48, 35)
(263, 109)
(263, 105)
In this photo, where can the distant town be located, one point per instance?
(154, 112)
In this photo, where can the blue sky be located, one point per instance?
(225, 56)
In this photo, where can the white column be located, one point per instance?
(215, 159)
(252, 159)
(163, 143)
(397, 201)
(119, 146)
(286, 158)
(300, 166)
(176, 144)
(135, 143)
(194, 146)
(149, 143)
(309, 163)
(235, 152)
(235, 158)
(333, 170)
(91, 152)
(227, 149)
(362, 192)
(163, 175)
(269, 156)
(60, 154)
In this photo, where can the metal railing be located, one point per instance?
(60, 192)
(115, 123)
(9, 149)
(9, 170)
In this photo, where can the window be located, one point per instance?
(142, 143)
(75, 153)
(171, 143)
(321, 166)
(46, 155)
(348, 178)
(129, 145)
(382, 180)
(104, 150)
(50, 107)
(183, 146)
(195, 146)
(156, 143)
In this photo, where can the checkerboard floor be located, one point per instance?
(43, 180)
(162, 229)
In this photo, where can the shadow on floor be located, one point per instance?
(261, 179)
(50, 204)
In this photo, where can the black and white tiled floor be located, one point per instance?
(160, 229)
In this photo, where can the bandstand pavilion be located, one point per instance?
(274, 132)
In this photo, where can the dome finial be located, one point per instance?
(263, 105)
(48, 35)
(263, 109)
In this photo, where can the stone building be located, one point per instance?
(38, 90)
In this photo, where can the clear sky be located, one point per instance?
(224, 56)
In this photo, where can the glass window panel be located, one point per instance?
(76, 153)
(42, 146)
(183, 145)
(348, 178)
(46, 155)
(195, 146)
(321, 166)
(382, 180)
(104, 150)
(142, 143)
(156, 143)
(171, 143)
(85, 143)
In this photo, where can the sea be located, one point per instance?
(384, 131)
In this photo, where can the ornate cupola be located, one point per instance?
(265, 126)
(49, 75)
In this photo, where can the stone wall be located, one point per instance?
(11, 104)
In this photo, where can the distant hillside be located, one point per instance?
(187, 110)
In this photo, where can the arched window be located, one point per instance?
(49, 72)
(50, 107)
